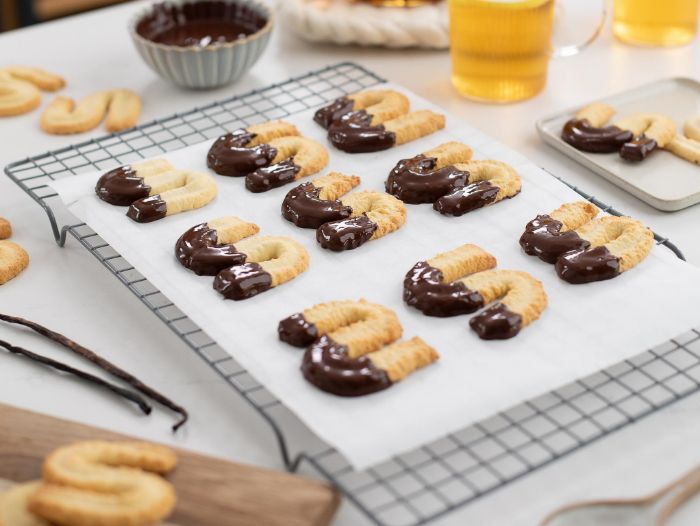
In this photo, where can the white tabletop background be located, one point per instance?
(68, 290)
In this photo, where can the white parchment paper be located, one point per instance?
(585, 328)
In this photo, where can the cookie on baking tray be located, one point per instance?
(119, 108)
(155, 189)
(375, 120)
(464, 280)
(449, 178)
(244, 266)
(316, 202)
(584, 247)
(352, 347)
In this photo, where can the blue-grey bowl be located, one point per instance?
(210, 66)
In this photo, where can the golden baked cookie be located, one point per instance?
(14, 506)
(656, 126)
(431, 286)
(270, 261)
(312, 204)
(414, 125)
(361, 326)
(382, 105)
(586, 248)
(13, 260)
(597, 114)
(5, 228)
(106, 483)
(242, 151)
(296, 157)
(687, 146)
(121, 107)
(19, 88)
(374, 215)
(489, 182)
(208, 248)
(352, 347)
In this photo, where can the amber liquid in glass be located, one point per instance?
(655, 22)
(500, 48)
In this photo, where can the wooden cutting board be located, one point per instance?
(210, 491)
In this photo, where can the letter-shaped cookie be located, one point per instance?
(63, 116)
(585, 248)
(243, 151)
(208, 248)
(312, 204)
(352, 347)
(270, 262)
(463, 281)
(650, 130)
(19, 88)
(296, 157)
(106, 483)
(154, 189)
(374, 215)
(375, 120)
(687, 146)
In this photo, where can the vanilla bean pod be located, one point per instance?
(124, 393)
(103, 363)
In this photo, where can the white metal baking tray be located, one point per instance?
(662, 180)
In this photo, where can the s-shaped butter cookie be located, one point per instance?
(19, 88)
(121, 108)
(312, 204)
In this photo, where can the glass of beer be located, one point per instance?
(655, 22)
(501, 48)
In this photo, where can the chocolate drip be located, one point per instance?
(148, 209)
(303, 207)
(200, 24)
(543, 238)
(297, 331)
(471, 197)
(230, 156)
(328, 366)
(581, 135)
(273, 176)
(346, 234)
(416, 180)
(637, 149)
(354, 133)
(242, 281)
(198, 249)
(334, 111)
(497, 322)
(585, 266)
(423, 288)
(121, 186)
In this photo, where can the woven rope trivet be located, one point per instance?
(344, 22)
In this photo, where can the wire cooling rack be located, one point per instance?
(412, 488)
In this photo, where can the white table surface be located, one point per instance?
(70, 291)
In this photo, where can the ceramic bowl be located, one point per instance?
(196, 61)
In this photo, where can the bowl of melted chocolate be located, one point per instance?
(202, 43)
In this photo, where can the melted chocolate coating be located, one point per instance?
(637, 149)
(229, 155)
(581, 135)
(585, 266)
(354, 133)
(416, 180)
(121, 186)
(334, 111)
(497, 322)
(543, 238)
(326, 365)
(273, 176)
(297, 331)
(346, 234)
(303, 207)
(242, 281)
(200, 24)
(147, 209)
(423, 288)
(198, 250)
(471, 197)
